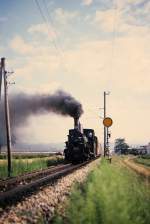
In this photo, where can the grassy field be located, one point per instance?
(143, 160)
(27, 155)
(111, 195)
(22, 165)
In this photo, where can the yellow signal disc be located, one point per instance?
(107, 122)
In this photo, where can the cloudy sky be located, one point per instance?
(84, 47)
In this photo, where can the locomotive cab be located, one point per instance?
(92, 141)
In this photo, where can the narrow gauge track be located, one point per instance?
(15, 194)
(10, 183)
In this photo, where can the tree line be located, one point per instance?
(121, 147)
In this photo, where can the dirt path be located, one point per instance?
(140, 169)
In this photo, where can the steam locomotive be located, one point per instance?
(82, 144)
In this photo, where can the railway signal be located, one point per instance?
(107, 122)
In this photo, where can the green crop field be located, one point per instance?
(22, 165)
(27, 155)
(112, 194)
(144, 160)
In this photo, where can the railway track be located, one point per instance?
(10, 183)
(17, 188)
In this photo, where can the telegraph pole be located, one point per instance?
(7, 118)
(105, 129)
(0, 78)
(104, 126)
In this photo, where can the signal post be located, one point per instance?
(107, 122)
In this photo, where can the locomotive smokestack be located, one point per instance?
(76, 123)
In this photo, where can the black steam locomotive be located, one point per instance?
(82, 144)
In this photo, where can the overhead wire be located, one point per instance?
(113, 43)
(45, 20)
(49, 24)
(56, 33)
(51, 21)
(114, 33)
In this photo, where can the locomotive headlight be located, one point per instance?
(76, 149)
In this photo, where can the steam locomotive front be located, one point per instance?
(76, 145)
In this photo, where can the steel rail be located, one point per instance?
(17, 193)
(11, 182)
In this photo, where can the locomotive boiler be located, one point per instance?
(82, 144)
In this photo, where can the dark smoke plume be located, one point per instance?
(22, 106)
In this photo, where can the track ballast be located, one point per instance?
(18, 191)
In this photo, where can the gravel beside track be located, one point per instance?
(40, 207)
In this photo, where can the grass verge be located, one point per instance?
(111, 195)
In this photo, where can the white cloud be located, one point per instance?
(38, 61)
(20, 46)
(89, 58)
(32, 46)
(63, 16)
(42, 29)
(122, 4)
(135, 12)
(38, 28)
(107, 19)
(87, 2)
(130, 63)
(123, 21)
(42, 88)
(39, 67)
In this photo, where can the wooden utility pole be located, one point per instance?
(104, 126)
(7, 118)
(105, 129)
(0, 79)
(0, 91)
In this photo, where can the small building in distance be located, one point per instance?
(138, 150)
(148, 148)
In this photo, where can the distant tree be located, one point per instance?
(13, 139)
(1, 145)
(121, 146)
